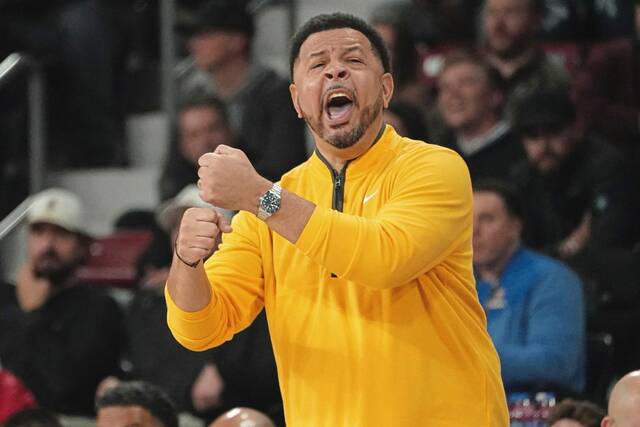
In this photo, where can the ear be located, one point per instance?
(607, 422)
(387, 89)
(293, 90)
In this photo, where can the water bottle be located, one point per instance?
(545, 401)
(518, 403)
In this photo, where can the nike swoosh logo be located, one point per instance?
(369, 197)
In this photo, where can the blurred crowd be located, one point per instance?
(541, 98)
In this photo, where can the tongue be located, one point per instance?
(337, 113)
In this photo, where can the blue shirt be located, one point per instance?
(537, 322)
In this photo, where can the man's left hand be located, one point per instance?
(229, 180)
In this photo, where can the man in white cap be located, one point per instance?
(65, 337)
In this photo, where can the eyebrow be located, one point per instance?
(346, 51)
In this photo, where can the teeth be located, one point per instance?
(338, 94)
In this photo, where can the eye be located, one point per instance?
(355, 60)
(317, 65)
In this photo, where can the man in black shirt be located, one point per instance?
(63, 337)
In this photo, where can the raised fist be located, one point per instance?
(199, 229)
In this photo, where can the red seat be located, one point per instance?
(112, 259)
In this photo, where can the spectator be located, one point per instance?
(608, 88)
(406, 119)
(470, 101)
(257, 99)
(80, 44)
(392, 21)
(509, 30)
(447, 22)
(135, 403)
(575, 413)
(242, 417)
(241, 372)
(37, 417)
(534, 304)
(578, 188)
(66, 337)
(624, 402)
(203, 125)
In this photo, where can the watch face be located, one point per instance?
(270, 202)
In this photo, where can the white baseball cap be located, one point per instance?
(188, 197)
(59, 207)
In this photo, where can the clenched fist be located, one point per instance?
(229, 180)
(199, 229)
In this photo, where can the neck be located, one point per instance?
(507, 67)
(479, 128)
(230, 76)
(338, 157)
(490, 272)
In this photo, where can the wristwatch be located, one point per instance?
(269, 202)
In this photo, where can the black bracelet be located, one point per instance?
(188, 264)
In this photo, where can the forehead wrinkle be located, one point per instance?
(323, 51)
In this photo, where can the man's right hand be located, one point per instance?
(198, 231)
(31, 291)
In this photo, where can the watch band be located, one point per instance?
(269, 202)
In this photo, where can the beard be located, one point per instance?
(348, 138)
(512, 50)
(49, 266)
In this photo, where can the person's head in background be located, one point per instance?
(203, 124)
(624, 402)
(575, 413)
(498, 221)
(406, 119)
(391, 21)
(470, 97)
(509, 27)
(36, 417)
(547, 122)
(242, 417)
(135, 403)
(58, 240)
(219, 35)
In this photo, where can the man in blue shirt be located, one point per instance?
(534, 304)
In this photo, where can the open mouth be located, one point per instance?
(338, 107)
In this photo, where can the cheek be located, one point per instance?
(309, 96)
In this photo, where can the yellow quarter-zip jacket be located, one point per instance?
(373, 312)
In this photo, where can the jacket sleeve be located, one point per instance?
(553, 350)
(233, 306)
(428, 213)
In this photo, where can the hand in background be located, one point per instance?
(206, 392)
(32, 292)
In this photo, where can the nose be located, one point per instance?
(336, 70)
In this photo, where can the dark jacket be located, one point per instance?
(62, 350)
(593, 178)
(495, 160)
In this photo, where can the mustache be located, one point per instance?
(50, 254)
